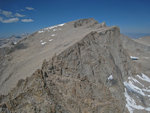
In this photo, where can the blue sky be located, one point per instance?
(27, 16)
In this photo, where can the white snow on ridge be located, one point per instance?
(48, 28)
(61, 24)
(52, 27)
(40, 31)
(57, 29)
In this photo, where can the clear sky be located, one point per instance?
(26, 16)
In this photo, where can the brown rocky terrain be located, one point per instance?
(87, 69)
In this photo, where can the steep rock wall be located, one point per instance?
(85, 78)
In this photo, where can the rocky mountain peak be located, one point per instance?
(76, 67)
(85, 77)
(82, 22)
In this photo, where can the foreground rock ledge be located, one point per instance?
(76, 80)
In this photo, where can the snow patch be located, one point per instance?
(50, 40)
(129, 86)
(134, 58)
(43, 43)
(53, 35)
(110, 77)
(14, 43)
(146, 90)
(61, 24)
(52, 27)
(40, 31)
(144, 77)
(134, 80)
(131, 104)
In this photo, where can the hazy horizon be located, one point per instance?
(18, 17)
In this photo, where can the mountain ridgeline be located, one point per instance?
(82, 69)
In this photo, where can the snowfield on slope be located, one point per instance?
(135, 87)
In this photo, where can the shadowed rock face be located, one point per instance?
(77, 80)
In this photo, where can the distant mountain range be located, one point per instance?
(11, 40)
(136, 35)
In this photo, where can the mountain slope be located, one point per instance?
(27, 55)
(137, 87)
(145, 40)
(87, 70)
(138, 49)
(86, 75)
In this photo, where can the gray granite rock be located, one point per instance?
(76, 80)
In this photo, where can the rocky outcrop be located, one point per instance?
(87, 77)
(82, 22)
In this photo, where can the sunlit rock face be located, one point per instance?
(86, 70)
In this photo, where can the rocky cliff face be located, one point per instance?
(86, 77)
